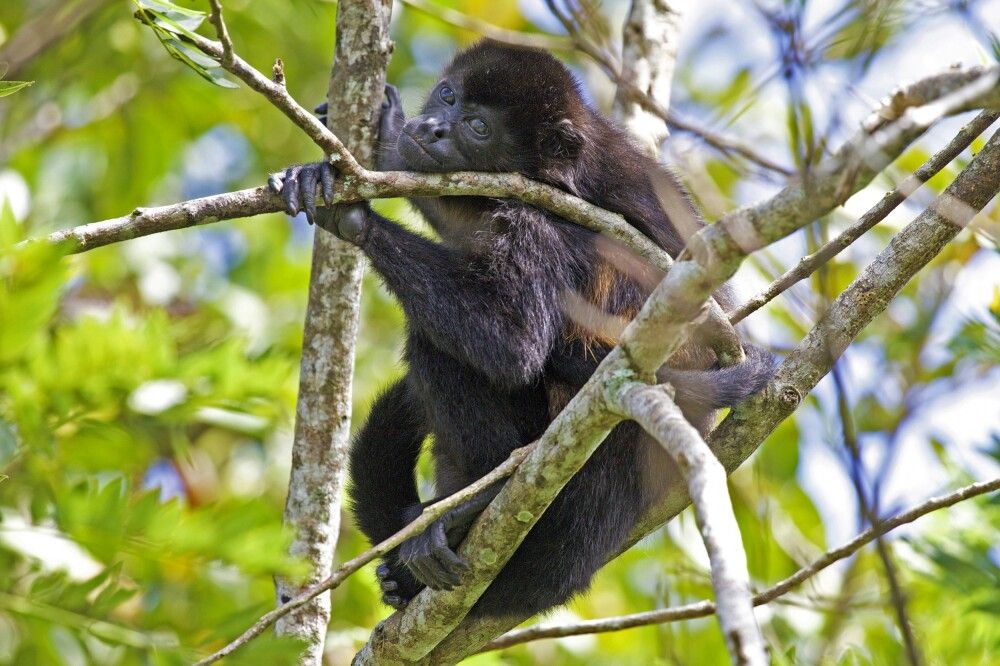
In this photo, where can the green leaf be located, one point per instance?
(11, 87)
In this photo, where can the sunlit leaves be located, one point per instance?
(171, 24)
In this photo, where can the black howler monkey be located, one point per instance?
(496, 343)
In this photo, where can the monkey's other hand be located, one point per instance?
(397, 584)
(390, 124)
(348, 222)
(430, 558)
(297, 187)
(320, 112)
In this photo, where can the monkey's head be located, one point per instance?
(498, 108)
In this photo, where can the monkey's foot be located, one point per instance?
(431, 560)
(397, 584)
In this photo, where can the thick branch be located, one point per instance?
(653, 408)
(911, 249)
(323, 409)
(811, 262)
(705, 608)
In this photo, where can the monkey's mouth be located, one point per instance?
(421, 148)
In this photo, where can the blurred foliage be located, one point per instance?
(147, 389)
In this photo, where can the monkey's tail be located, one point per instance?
(722, 387)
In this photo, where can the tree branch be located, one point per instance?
(278, 95)
(869, 513)
(652, 407)
(811, 262)
(746, 426)
(706, 608)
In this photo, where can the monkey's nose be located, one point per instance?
(431, 129)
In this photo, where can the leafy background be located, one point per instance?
(147, 389)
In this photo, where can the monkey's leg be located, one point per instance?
(382, 462)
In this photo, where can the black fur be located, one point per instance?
(493, 351)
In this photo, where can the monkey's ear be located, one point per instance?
(561, 140)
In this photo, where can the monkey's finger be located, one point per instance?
(307, 187)
(275, 183)
(451, 564)
(321, 109)
(392, 96)
(394, 600)
(388, 585)
(326, 176)
(435, 577)
(290, 191)
(447, 573)
(416, 567)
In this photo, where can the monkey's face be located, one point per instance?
(454, 134)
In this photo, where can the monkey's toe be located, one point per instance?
(398, 586)
(395, 601)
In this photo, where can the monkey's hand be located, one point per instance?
(297, 187)
(390, 124)
(430, 555)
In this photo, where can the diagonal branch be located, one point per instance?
(706, 608)
(742, 431)
(869, 511)
(653, 408)
(811, 262)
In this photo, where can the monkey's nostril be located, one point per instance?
(438, 132)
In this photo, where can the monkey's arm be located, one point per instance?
(498, 312)
(382, 462)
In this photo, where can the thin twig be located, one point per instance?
(222, 32)
(896, 592)
(609, 64)
(278, 95)
(428, 516)
(809, 263)
(706, 608)
(653, 409)
(517, 38)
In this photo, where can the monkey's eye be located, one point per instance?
(479, 126)
(447, 95)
